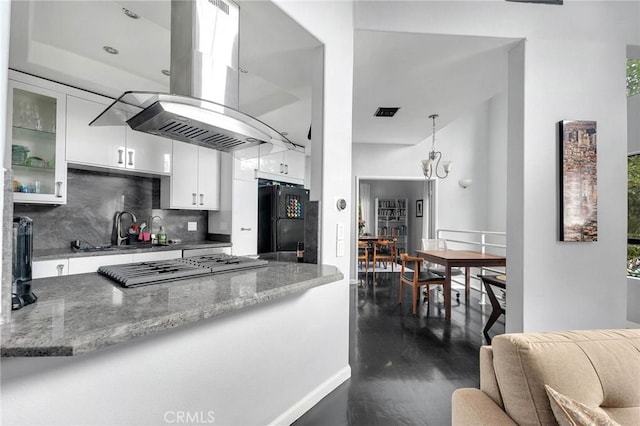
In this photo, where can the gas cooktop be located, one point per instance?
(146, 273)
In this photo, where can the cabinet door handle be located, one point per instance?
(193, 198)
(121, 156)
(281, 168)
(286, 169)
(131, 157)
(59, 189)
(202, 199)
(60, 269)
(245, 229)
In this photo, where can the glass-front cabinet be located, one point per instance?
(37, 135)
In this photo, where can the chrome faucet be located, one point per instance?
(153, 236)
(116, 234)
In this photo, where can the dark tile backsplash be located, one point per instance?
(92, 200)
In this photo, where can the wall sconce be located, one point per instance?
(465, 183)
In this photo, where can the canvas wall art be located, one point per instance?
(578, 180)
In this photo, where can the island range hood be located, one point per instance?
(202, 107)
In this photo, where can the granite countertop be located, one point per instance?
(86, 312)
(47, 254)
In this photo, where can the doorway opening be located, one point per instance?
(394, 207)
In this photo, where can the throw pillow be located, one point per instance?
(569, 412)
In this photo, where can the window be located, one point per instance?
(633, 77)
(633, 215)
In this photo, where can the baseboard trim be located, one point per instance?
(312, 398)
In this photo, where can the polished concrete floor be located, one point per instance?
(403, 367)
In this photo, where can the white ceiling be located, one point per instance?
(423, 74)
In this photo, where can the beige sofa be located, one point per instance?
(598, 368)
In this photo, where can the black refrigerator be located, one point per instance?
(280, 217)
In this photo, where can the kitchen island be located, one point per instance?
(85, 312)
(250, 347)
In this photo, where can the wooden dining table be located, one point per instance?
(460, 259)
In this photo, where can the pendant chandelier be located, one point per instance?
(431, 166)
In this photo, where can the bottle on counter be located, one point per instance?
(300, 252)
(162, 236)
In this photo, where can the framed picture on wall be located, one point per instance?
(578, 180)
(418, 208)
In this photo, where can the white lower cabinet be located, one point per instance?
(49, 268)
(195, 179)
(244, 217)
(82, 265)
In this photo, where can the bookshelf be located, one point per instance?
(391, 220)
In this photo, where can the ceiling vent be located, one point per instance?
(386, 111)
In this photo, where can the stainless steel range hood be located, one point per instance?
(202, 107)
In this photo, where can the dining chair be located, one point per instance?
(434, 268)
(384, 251)
(363, 254)
(416, 279)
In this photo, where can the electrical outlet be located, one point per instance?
(192, 226)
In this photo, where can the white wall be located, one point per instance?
(573, 69)
(467, 141)
(5, 18)
(331, 22)
(496, 199)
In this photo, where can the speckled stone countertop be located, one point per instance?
(47, 254)
(81, 313)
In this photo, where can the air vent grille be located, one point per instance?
(386, 111)
(189, 133)
(220, 5)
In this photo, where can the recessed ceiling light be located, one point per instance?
(130, 13)
(166, 72)
(243, 71)
(111, 50)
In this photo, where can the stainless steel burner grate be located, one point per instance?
(145, 273)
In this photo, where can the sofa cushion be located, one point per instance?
(572, 413)
(598, 368)
(488, 382)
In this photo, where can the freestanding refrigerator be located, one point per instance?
(280, 217)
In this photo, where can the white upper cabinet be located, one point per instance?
(114, 147)
(245, 163)
(36, 134)
(150, 153)
(195, 179)
(294, 164)
(208, 179)
(281, 164)
(92, 145)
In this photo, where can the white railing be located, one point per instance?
(483, 241)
